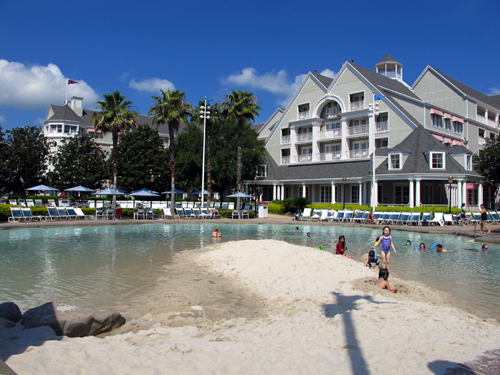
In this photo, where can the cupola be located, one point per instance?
(390, 67)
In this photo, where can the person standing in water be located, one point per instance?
(483, 220)
(387, 243)
(216, 233)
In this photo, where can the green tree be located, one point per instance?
(171, 108)
(188, 158)
(487, 162)
(114, 115)
(242, 107)
(139, 153)
(79, 162)
(5, 172)
(29, 150)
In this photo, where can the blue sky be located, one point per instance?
(211, 48)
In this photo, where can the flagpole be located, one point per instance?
(67, 84)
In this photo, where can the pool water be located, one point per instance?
(92, 266)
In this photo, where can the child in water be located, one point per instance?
(341, 247)
(387, 243)
(383, 275)
(422, 246)
(372, 258)
(439, 249)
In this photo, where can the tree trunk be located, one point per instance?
(115, 165)
(239, 163)
(172, 168)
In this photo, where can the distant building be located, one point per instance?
(321, 144)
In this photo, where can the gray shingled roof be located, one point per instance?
(388, 59)
(325, 81)
(496, 99)
(257, 127)
(469, 91)
(416, 145)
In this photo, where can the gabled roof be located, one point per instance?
(325, 81)
(416, 145)
(257, 127)
(469, 91)
(388, 59)
(496, 99)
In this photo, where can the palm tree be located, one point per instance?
(171, 108)
(242, 107)
(215, 118)
(114, 115)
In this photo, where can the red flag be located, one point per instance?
(70, 82)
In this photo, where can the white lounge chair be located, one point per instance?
(324, 215)
(16, 214)
(81, 215)
(306, 214)
(438, 219)
(448, 219)
(316, 214)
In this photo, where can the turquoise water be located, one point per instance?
(90, 265)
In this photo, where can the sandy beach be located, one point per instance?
(267, 307)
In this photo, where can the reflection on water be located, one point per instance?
(89, 265)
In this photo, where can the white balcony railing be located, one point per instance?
(357, 154)
(382, 126)
(304, 137)
(357, 105)
(481, 118)
(326, 156)
(303, 158)
(391, 74)
(357, 129)
(333, 112)
(303, 115)
(285, 139)
(330, 134)
(285, 160)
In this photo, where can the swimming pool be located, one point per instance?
(92, 266)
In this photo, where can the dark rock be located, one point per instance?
(72, 321)
(10, 311)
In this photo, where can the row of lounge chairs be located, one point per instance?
(396, 218)
(24, 214)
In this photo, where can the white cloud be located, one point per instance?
(2, 119)
(494, 90)
(35, 87)
(279, 84)
(125, 75)
(39, 121)
(151, 84)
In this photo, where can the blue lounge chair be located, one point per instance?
(53, 214)
(28, 215)
(16, 214)
(180, 212)
(414, 219)
(404, 218)
(426, 218)
(62, 213)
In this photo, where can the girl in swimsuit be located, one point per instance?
(216, 233)
(387, 243)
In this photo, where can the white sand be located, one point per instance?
(308, 319)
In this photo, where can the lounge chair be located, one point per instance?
(364, 218)
(30, 203)
(230, 206)
(139, 213)
(38, 202)
(476, 217)
(197, 213)
(340, 216)
(245, 214)
(348, 216)
(109, 214)
(81, 215)
(235, 214)
(62, 213)
(438, 219)
(51, 202)
(53, 214)
(358, 214)
(189, 213)
(393, 218)
(376, 217)
(216, 205)
(448, 219)
(324, 215)
(306, 214)
(180, 212)
(16, 214)
(426, 218)
(99, 213)
(28, 215)
(224, 206)
(316, 214)
(404, 218)
(332, 215)
(21, 202)
(204, 214)
(13, 202)
(496, 217)
(91, 204)
(71, 213)
(414, 219)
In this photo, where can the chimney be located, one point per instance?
(352, 61)
(315, 70)
(76, 105)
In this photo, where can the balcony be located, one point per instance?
(332, 113)
(304, 137)
(327, 156)
(357, 154)
(381, 126)
(357, 130)
(303, 158)
(303, 115)
(330, 134)
(391, 74)
(485, 120)
(285, 160)
(354, 106)
(285, 139)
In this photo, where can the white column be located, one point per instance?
(282, 192)
(303, 190)
(464, 193)
(374, 195)
(360, 188)
(417, 193)
(480, 193)
(365, 188)
(344, 143)
(274, 192)
(459, 194)
(333, 193)
(315, 148)
(411, 198)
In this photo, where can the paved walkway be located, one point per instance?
(468, 231)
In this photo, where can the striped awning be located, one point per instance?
(447, 115)
(458, 119)
(447, 140)
(471, 186)
(439, 137)
(92, 130)
(437, 112)
(459, 143)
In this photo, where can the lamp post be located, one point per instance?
(255, 194)
(450, 181)
(205, 114)
(343, 192)
(152, 180)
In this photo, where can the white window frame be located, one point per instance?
(431, 157)
(437, 121)
(308, 112)
(400, 162)
(468, 162)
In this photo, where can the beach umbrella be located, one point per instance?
(144, 190)
(175, 192)
(80, 189)
(204, 192)
(239, 195)
(146, 194)
(42, 188)
(110, 191)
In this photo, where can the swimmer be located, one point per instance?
(408, 242)
(383, 275)
(439, 248)
(216, 233)
(372, 258)
(484, 247)
(422, 246)
(308, 234)
(296, 229)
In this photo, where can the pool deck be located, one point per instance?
(468, 231)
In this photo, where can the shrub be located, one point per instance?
(226, 213)
(88, 211)
(4, 212)
(292, 204)
(276, 208)
(39, 211)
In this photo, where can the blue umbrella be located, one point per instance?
(144, 194)
(42, 188)
(144, 190)
(200, 192)
(110, 191)
(239, 195)
(176, 192)
(80, 189)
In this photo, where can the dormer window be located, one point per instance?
(395, 161)
(437, 160)
(468, 162)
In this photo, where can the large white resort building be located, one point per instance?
(423, 135)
